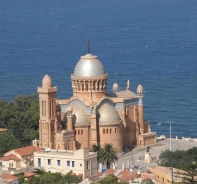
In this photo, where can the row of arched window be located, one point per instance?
(43, 105)
(87, 85)
(110, 130)
(51, 108)
(79, 132)
(52, 112)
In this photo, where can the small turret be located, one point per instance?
(128, 85)
(115, 87)
(140, 91)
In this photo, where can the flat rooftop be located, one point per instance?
(55, 152)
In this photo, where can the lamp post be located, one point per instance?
(170, 138)
(171, 150)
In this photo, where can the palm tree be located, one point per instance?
(108, 154)
(96, 148)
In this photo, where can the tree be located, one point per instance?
(8, 142)
(54, 178)
(172, 158)
(185, 161)
(108, 154)
(147, 181)
(21, 117)
(96, 148)
(110, 179)
(69, 178)
(192, 152)
(188, 170)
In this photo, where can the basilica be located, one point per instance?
(91, 115)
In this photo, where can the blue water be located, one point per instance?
(151, 42)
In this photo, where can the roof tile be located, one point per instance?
(10, 157)
(9, 177)
(29, 150)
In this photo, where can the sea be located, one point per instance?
(149, 42)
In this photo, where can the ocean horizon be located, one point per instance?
(153, 43)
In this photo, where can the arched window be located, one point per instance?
(107, 131)
(42, 108)
(81, 132)
(86, 86)
(78, 132)
(103, 131)
(110, 131)
(82, 86)
(68, 145)
(115, 130)
(98, 84)
(93, 86)
(45, 106)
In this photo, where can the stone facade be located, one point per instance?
(81, 162)
(91, 115)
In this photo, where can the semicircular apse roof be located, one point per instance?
(108, 115)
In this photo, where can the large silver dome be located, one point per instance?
(108, 115)
(89, 66)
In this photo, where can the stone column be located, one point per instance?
(93, 129)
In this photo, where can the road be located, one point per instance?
(132, 158)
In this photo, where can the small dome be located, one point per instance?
(89, 66)
(79, 115)
(69, 109)
(115, 87)
(108, 115)
(46, 81)
(140, 88)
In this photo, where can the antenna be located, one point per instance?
(88, 42)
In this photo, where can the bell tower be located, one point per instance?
(47, 122)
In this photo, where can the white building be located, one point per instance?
(18, 158)
(81, 162)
